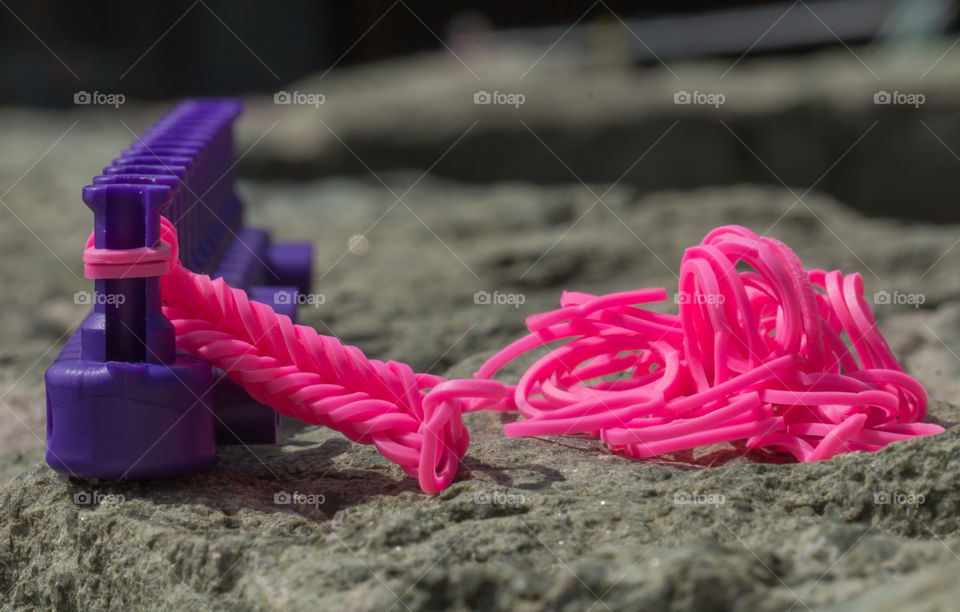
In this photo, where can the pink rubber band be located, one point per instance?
(126, 263)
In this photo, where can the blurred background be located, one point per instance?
(198, 44)
(434, 150)
(605, 67)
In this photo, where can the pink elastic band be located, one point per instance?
(757, 356)
(126, 263)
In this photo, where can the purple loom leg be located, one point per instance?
(122, 404)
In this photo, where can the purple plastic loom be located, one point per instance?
(121, 403)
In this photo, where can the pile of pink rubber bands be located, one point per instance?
(754, 355)
(772, 354)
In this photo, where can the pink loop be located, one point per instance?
(130, 263)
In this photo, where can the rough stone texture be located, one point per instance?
(554, 523)
(532, 524)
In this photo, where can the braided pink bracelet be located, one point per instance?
(756, 355)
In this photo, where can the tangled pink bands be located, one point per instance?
(775, 355)
(756, 355)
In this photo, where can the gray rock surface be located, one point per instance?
(530, 524)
